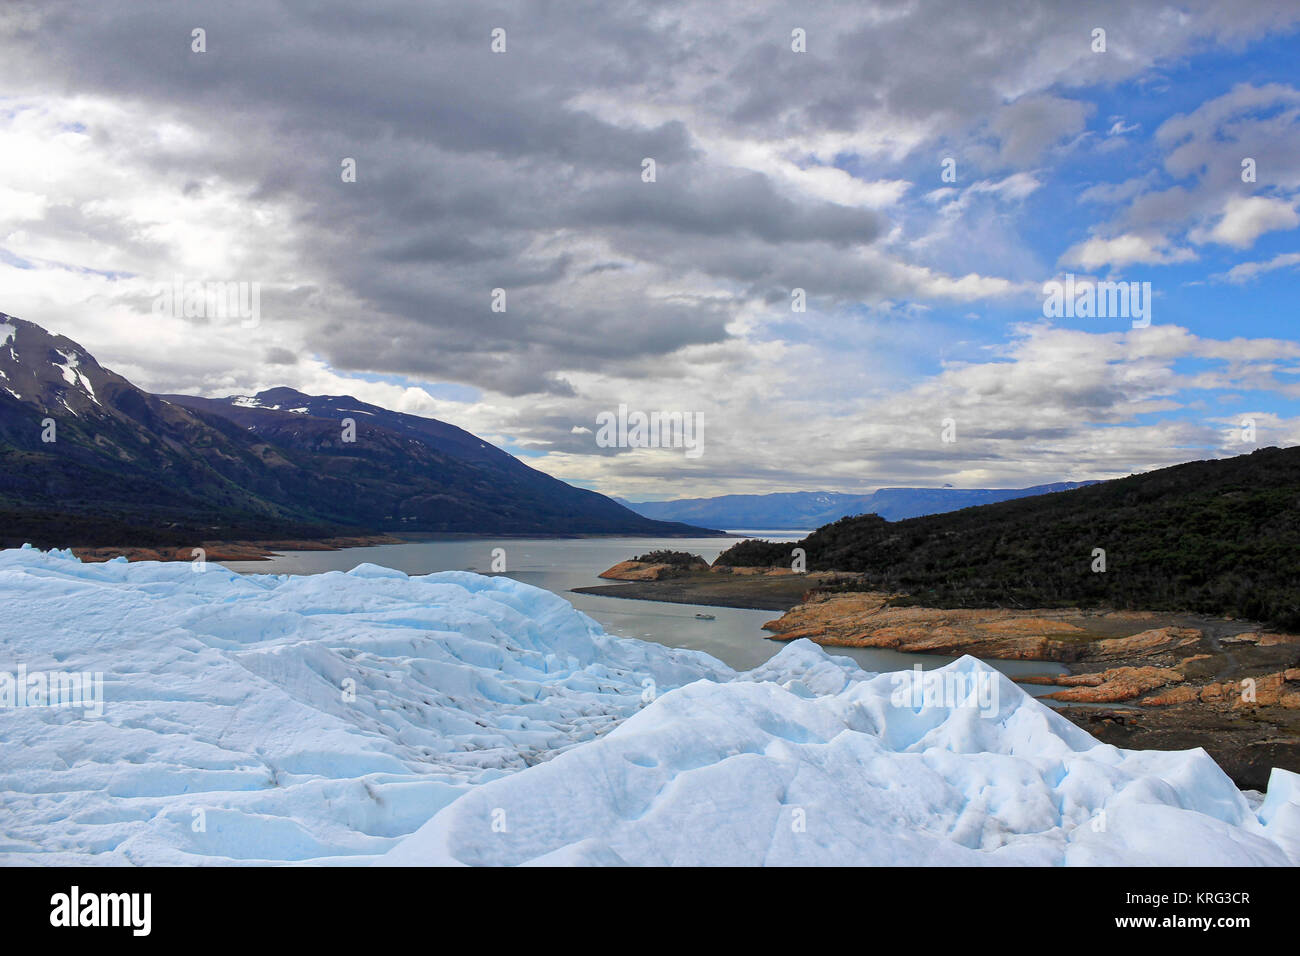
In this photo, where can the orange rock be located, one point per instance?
(1174, 695)
(1143, 644)
(1269, 690)
(1270, 640)
(637, 571)
(1248, 637)
(1115, 684)
(864, 619)
(646, 571)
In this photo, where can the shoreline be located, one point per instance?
(265, 550)
(229, 550)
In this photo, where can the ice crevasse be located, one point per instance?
(452, 718)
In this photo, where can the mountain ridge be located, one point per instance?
(91, 459)
(802, 510)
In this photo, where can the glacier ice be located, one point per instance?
(452, 718)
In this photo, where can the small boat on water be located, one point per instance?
(704, 617)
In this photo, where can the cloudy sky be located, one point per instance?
(128, 159)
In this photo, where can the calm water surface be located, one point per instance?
(561, 564)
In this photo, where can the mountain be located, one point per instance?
(88, 458)
(128, 467)
(405, 472)
(800, 510)
(283, 410)
(1216, 537)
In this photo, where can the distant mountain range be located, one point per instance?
(90, 459)
(804, 510)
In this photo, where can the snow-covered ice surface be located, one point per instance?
(229, 695)
(806, 761)
(455, 718)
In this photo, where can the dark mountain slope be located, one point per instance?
(404, 471)
(123, 464)
(128, 467)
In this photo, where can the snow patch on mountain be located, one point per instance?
(72, 374)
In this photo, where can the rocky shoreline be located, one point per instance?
(232, 550)
(1137, 679)
(763, 589)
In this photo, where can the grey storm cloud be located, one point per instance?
(1028, 126)
(479, 171)
(279, 356)
(729, 204)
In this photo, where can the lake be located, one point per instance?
(561, 564)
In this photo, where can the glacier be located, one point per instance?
(372, 717)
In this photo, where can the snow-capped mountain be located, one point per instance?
(91, 459)
(88, 458)
(281, 411)
(51, 372)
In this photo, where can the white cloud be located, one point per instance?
(1205, 153)
(1246, 271)
(1247, 218)
(1014, 187)
(1125, 250)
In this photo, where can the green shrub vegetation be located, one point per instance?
(1215, 537)
(677, 559)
